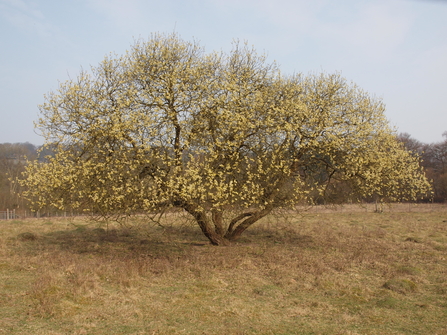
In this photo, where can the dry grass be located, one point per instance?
(322, 272)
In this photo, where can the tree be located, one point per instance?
(12, 160)
(411, 144)
(435, 163)
(225, 137)
(433, 158)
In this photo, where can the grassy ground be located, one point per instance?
(320, 272)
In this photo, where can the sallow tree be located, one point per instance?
(225, 137)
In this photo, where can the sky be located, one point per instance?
(394, 49)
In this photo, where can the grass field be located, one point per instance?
(344, 271)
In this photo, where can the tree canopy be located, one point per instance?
(224, 136)
(434, 161)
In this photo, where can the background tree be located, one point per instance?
(225, 137)
(435, 163)
(12, 161)
(411, 144)
(433, 158)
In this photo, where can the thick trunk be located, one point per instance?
(206, 226)
(236, 220)
(212, 236)
(214, 229)
(218, 222)
(235, 233)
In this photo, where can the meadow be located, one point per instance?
(344, 270)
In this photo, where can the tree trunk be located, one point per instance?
(232, 235)
(218, 222)
(214, 229)
(206, 226)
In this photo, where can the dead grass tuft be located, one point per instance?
(27, 236)
(403, 286)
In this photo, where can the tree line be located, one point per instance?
(13, 159)
(433, 158)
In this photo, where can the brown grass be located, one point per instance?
(324, 271)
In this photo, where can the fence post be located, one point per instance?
(7, 214)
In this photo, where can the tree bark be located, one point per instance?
(218, 222)
(236, 220)
(253, 217)
(214, 229)
(205, 225)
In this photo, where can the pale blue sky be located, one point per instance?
(394, 49)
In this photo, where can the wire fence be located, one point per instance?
(8, 214)
(12, 214)
(380, 208)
